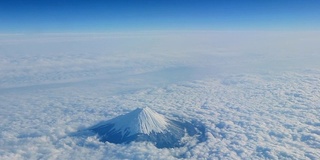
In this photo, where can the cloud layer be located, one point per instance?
(255, 102)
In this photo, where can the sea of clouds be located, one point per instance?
(257, 93)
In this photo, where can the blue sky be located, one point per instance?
(33, 16)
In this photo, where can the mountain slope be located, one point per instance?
(144, 124)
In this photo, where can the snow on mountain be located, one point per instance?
(141, 120)
(144, 124)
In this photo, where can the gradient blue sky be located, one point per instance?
(42, 16)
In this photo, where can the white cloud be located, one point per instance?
(258, 96)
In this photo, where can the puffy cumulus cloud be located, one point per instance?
(246, 116)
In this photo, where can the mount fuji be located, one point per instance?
(144, 124)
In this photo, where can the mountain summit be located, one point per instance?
(144, 124)
(141, 120)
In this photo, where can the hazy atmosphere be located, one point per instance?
(178, 79)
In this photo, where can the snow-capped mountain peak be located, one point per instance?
(144, 124)
(140, 120)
